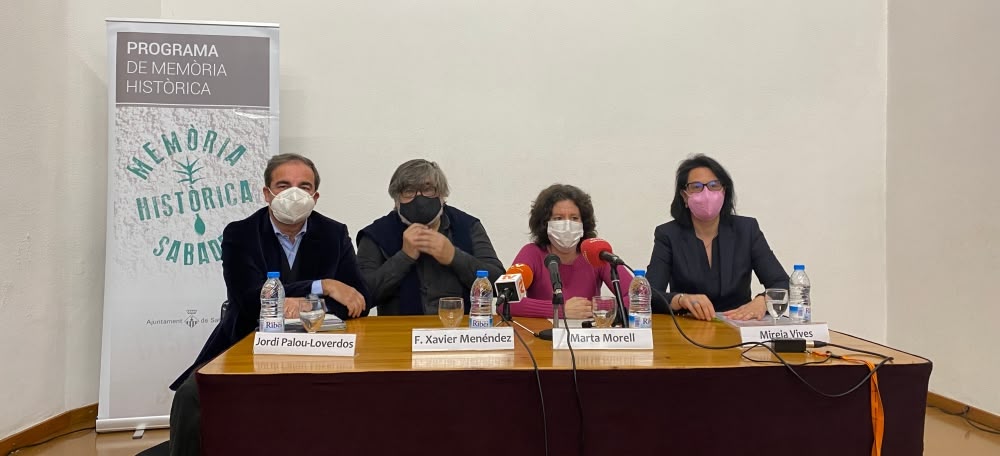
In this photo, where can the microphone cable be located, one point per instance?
(576, 382)
(791, 367)
(885, 359)
(871, 378)
(538, 378)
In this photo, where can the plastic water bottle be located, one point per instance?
(799, 304)
(272, 304)
(481, 302)
(640, 314)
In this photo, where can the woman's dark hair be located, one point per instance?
(541, 212)
(677, 208)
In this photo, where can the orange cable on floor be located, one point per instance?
(878, 413)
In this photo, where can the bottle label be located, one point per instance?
(481, 321)
(638, 320)
(272, 325)
(794, 311)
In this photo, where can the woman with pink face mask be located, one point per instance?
(706, 254)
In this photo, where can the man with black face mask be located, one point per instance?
(423, 249)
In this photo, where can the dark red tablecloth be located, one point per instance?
(704, 411)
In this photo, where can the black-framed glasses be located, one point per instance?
(429, 191)
(697, 187)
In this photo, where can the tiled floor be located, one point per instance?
(943, 436)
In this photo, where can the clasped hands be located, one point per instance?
(420, 238)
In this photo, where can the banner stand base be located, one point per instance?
(131, 424)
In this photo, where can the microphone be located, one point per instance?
(597, 251)
(513, 285)
(552, 264)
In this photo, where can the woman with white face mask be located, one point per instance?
(706, 254)
(561, 217)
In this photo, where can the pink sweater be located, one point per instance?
(578, 279)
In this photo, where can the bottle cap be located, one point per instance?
(482, 273)
(273, 275)
(639, 272)
(800, 267)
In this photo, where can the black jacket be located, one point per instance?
(679, 257)
(250, 249)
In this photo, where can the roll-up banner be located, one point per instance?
(192, 121)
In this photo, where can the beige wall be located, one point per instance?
(53, 135)
(610, 96)
(943, 206)
(789, 95)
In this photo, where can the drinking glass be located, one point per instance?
(777, 301)
(450, 311)
(312, 313)
(605, 309)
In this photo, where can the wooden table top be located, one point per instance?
(383, 344)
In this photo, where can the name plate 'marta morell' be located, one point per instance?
(463, 339)
(317, 344)
(603, 339)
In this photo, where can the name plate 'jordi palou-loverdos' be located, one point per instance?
(315, 344)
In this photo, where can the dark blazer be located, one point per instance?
(250, 249)
(679, 256)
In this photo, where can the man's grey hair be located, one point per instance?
(281, 159)
(414, 174)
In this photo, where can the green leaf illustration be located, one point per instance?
(188, 170)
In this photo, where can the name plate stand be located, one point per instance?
(463, 339)
(808, 331)
(316, 344)
(603, 339)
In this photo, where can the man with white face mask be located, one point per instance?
(313, 254)
(561, 217)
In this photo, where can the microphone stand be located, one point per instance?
(503, 305)
(505, 317)
(548, 334)
(621, 317)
